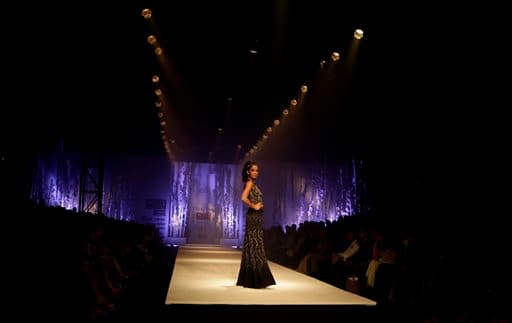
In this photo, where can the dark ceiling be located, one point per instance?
(83, 74)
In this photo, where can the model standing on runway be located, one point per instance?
(254, 270)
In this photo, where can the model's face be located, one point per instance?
(253, 172)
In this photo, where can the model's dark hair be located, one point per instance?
(247, 167)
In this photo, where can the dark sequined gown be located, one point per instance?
(254, 269)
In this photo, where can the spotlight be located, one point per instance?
(146, 13)
(358, 34)
(151, 39)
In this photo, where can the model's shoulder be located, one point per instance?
(249, 184)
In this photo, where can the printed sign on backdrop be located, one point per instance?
(156, 215)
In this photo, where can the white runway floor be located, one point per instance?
(207, 275)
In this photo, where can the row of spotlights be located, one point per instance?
(146, 13)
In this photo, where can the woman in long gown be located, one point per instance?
(254, 270)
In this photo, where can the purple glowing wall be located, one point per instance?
(199, 202)
(294, 193)
(204, 203)
(56, 180)
(137, 188)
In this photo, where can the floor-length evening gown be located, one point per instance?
(254, 270)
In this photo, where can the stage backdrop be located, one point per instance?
(204, 203)
(199, 202)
